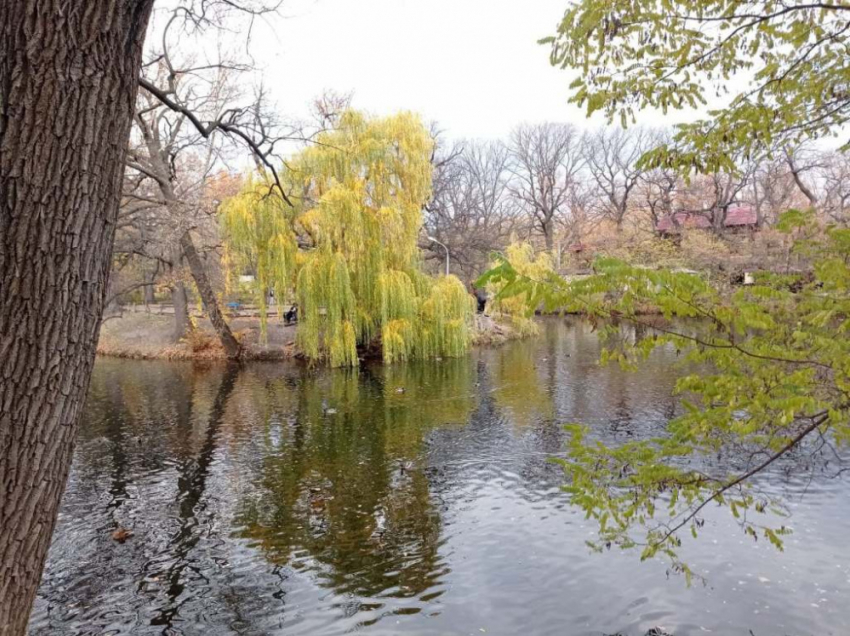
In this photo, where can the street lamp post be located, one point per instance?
(433, 240)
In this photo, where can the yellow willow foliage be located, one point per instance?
(444, 319)
(522, 258)
(260, 239)
(433, 325)
(361, 189)
(328, 309)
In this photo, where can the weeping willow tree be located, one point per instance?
(260, 239)
(358, 280)
(520, 307)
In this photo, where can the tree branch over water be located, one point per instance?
(766, 374)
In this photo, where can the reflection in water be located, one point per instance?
(517, 374)
(412, 499)
(191, 486)
(342, 488)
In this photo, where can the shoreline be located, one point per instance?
(150, 336)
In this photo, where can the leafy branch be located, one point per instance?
(768, 368)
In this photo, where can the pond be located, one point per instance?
(406, 499)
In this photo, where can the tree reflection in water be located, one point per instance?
(276, 499)
(343, 488)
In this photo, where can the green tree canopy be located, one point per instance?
(349, 245)
(791, 75)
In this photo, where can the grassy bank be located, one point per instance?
(150, 336)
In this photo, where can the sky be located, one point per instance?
(472, 66)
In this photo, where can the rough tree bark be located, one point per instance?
(68, 80)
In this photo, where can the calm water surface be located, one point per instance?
(410, 499)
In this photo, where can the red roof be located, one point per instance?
(741, 215)
(738, 215)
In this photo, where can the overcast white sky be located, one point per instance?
(473, 66)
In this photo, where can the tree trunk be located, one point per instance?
(68, 79)
(181, 310)
(150, 299)
(199, 273)
(549, 237)
(719, 220)
(798, 180)
(621, 215)
(759, 205)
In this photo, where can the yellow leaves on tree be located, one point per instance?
(260, 239)
(533, 267)
(359, 192)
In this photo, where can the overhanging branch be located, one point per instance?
(206, 131)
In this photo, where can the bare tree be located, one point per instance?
(612, 156)
(471, 210)
(582, 217)
(144, 246)
(834, 178)
(161, 152)
(712, 195)
(802, 160)
(778, 182)
(727, 189)
(192, 106)
(657, 193)
(658, 188)
(546, 161)
(147, 241)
